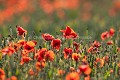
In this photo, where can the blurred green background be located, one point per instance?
(90, 17)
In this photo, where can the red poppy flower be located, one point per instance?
(31, 72)
(56, 43)
(85, 69)
(29, 46)
(67, 52)
(2, 74)
(111, 32)
(87, 78)
(25, 59)
(61, 72)
(110, 42)
(47, 37)
(40, 65)
(102, 61)
(21, 42)
(21, 31)
(40, 55)
(94, 47)
(90, 49)
(97, 60)
(34, 41)
(84, 59)
(24, 53)
(13, 78)
(50, 55)
(117, 4)
(69, 33)
(72, 76)
(111, 70)
(118, 65)
(16, 46)
(96, 44)
(104, 35)
(75, 56)
(8, 50)
(88, 71)
(106, 58)
(107, 34)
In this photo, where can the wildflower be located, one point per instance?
(34, 41)
(25, 59)
(2, 74)
(29, 46)
(117, 5)
(90, 49)
(40, 65)
(105, 35)
(67, 52)
(94, 47)
(21, 42)
(101, 61)
(96, 44)
(111, 32)
(16, 46)
(40, 55)
(75, 56)
(47, 37)
(106, 58)
(111, 70)
(24, 53)
(50, 55)
(31, 72)
(69, 33)
(61, 72)
(21, 31)
(84, 60)
(8, 50)
(72, 76)
(118, 65)
(56, 43)
(110, 42)
(87, 78)
(13, 78)
(85, 69)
